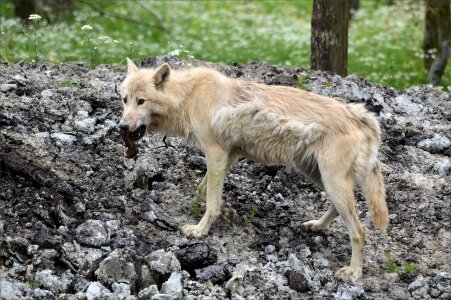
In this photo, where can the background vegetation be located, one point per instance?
(385, 41)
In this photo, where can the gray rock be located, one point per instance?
(148, 292)
(63, 139)
(93, 233)
(115, 268)
(270, 249)
(121, 291)
(349, 292)
(305, 252)
(41, 294)
(163, 262)
(442, 167)
(173, 286)
(441, 285)
(321, 262)
(52, 282)
(419, 289)
(97, 291)
(13, 290)
(403, 104)
(83, 105)
(86, 125)
(435, 144)
(162, 297)
(46, 94)
(198, 162)
(213, 273)
(7, 87)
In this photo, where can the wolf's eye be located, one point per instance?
(140, 101)
(124, 99)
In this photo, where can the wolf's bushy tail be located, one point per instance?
(372, 182)
(374, 192)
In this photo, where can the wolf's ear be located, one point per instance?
(131, 67)
(161, 74)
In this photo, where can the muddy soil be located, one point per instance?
(78, 220)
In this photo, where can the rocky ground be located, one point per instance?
(78, 220)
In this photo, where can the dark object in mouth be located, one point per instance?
(131, 148)
(129, 139)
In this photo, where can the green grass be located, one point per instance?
(250, 216)
(392, 267)
(196, 205)
(384, 41)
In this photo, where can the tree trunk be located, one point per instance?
(329, 40)
(437, 38)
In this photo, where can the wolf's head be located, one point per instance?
(143, 99)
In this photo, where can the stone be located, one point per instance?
(7, 87)
(213, 273)
(349, 292)
(196, 255)
(441, 285)
(97, 291)
(321, 262)
(40, 294)
(63, 138)
(442, 167)
(115, 268)
(121, 291)
(46, 94)
(92, 233)
(403, 104)
(435, 144)
(86, 125)
(13, 290)
(148, 292)
(52, 282)
(163, 263)
(173, 286)
(197, 162)
(162, 297)
(419, 289)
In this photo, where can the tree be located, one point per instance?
(437, 38)
(329, 40)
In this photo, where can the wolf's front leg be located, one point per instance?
(217, 160)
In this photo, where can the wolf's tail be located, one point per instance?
(372, 182)
(374, 192)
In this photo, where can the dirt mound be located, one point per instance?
(79, 220)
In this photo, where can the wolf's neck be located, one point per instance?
(175, 119)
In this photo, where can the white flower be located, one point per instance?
(34, 17)
(106, 39)
(86, 27)
(115, 41)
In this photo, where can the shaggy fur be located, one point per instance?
(332, 143)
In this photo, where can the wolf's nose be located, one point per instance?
(123, 127)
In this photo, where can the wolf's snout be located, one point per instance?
(124, 127)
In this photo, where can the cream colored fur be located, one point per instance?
(332, 143)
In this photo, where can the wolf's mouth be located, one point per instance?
(138, 133)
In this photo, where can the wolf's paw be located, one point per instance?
(349, 274)
(314, 225)
(193, 230)
(228, 214)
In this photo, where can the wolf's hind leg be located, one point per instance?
(330, 215)
(324, 221)
(340, 190)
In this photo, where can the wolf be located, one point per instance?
(334, 144)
